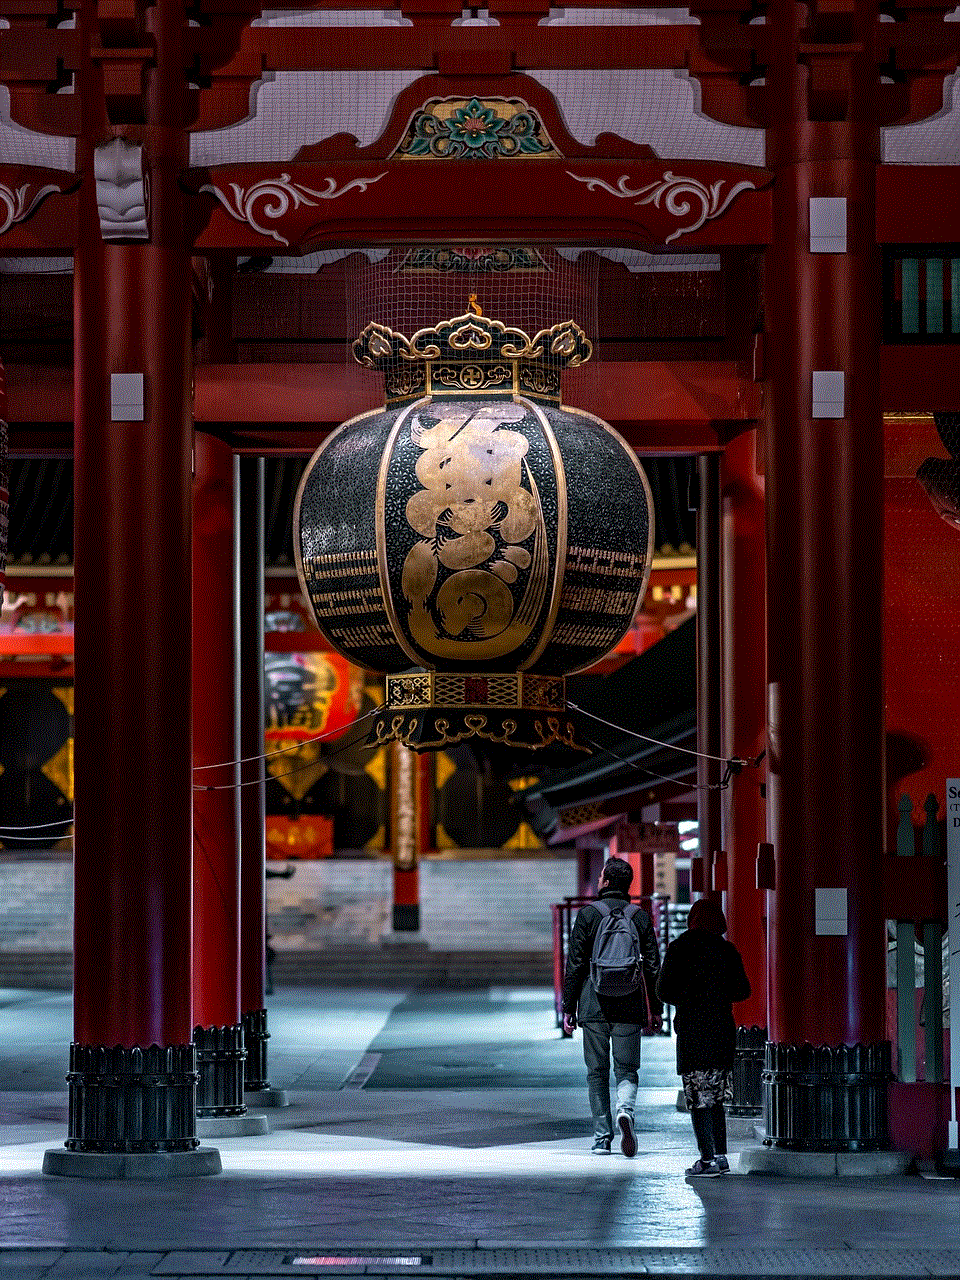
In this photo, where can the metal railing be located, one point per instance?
(918, 964)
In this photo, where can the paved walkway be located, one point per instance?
(435, 1134)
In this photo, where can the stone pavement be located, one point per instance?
(435, 1134)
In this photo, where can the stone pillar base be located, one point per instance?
(777, 1162)
(827, 1098)
(748, 1072)
(406, 917)
(232, 1126)
(220, 1058)
(132, 1101)
(949, 1162)
(145, 1165)
(266, 1097)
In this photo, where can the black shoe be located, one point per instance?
(704, 1169)
(628, 1138)
(723, 1164)
(601, 1147)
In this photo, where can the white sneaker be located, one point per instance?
(628, 1137)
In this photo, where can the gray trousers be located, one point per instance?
(598, 1039)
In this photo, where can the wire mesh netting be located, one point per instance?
(520, 287)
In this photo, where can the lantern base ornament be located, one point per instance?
(433, 710)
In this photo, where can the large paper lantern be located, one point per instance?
(308, 694)
(475, 531)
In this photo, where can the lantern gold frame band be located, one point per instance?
(501, 690)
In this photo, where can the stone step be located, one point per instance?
(403, 965)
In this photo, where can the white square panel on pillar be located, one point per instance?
(830, 912)
(828, 224)
(827, 392)
(126, 397)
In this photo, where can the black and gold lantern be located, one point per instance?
(475, 531)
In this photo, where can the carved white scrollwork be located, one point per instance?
(276, 195)
(121, 190)
(16, 205)
(680, 197)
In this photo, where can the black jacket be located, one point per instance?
(578, 993)
(702, 976)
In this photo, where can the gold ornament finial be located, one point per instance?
(474, 305)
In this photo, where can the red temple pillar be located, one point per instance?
(217, 1032)
(406, 815)
(743, 590)
(709, 770)
(824, 491)
(590, 858)
(133, 1064)
(253, 950)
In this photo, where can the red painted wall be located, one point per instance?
(921, 649)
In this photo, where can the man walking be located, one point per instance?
(612, 1009)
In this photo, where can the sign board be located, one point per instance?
(953, 937)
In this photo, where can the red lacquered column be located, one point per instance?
(709, 769)
(218, 1033)
(824, 560)
(407, 779)
(253, 952)
(743, 643)
(133, 1070)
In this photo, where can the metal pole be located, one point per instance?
(709, 740)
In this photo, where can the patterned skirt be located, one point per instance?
(707, 1088)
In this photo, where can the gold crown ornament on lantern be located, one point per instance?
(474, 530)
(472, 355)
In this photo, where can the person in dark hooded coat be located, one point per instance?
(702, 976)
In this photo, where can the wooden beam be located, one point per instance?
(425, 45)
(680, 407)
(277, 408)
(261, 208)
(920, 377)
(917, 204)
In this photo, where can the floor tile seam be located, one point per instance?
(901, 1258)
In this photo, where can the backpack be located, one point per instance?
(616, 965)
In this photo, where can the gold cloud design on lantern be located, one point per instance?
(473, 513)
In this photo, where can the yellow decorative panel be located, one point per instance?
(518, 784)
(524, 838)
(376, 768)
(379, 838)
(298, 768)
(59, 769)
(443, 840)
(65, 694)
(444, 767)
